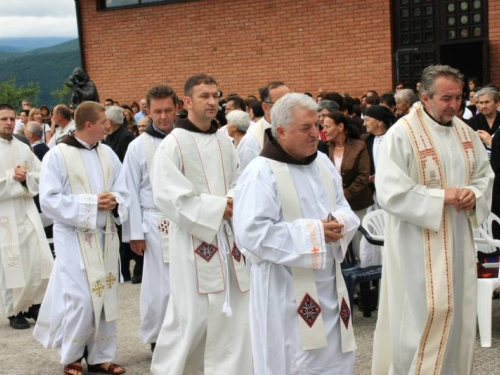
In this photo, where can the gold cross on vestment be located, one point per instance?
(110, 280)
(98, 288)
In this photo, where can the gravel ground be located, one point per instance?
(21, 354)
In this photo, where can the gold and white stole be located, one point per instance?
(101, 266)
(10, 251)
(313, 335)
(345, 311)
(259, 130)
(438, 246)
(208, 259)
(162, 222)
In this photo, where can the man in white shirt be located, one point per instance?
(251, 144)
(62, 124)
(147, 228)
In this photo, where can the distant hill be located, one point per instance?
(48, 66)
(28, 44)
(9, 49)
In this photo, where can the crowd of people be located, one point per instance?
(238, 213)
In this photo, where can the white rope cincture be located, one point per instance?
(223, 235)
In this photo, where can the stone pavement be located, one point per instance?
(21, 354)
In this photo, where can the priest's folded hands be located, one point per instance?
(332, 230)
(464, 199)
(228, 212)
(106, 201)
(20, 173)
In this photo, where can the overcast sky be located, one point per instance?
(37, 18)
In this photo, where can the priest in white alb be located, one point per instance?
(83, 192)
(25, 257)
(294, 224)
(147, 229)
(435, 181)
(194, 169)
(251, 144)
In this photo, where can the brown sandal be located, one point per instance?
(73, 366)
(110, 370)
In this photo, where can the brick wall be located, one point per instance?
(333, 44)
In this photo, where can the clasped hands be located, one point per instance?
(332, 229)
(228, 212)
(20, 173)
(461, 199)
(106, 201)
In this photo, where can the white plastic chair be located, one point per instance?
(374, 225)
(484, 241)
(370, 248)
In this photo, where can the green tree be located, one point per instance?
(62, 96)
(12, 94)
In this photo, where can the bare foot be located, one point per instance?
(74, 368)
(112, 368)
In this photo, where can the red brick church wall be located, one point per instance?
(333, 44)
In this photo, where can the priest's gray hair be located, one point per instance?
(239, 118)
(405, 95)
(36, 128)
(282, 111)
(115, 114)
(433, 72)
(487, 91)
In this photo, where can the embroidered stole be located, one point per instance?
(313, 335)
(259, 130)
(10, 251)
(346, 328)
(438, 246)
(163, 223)
(101, 266)
(208, 259)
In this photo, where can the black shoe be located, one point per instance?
(126, 278)
(32, 312)
(136, 279)
(153, 346)
(19, 321)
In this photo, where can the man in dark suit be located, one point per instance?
(117, 135)
(34, 134)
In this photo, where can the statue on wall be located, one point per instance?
(83, 88)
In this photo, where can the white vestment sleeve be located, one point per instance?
(131, 171)
(235, 172)
(397, 192)
(75, 210)
(260, 230)
(344, 215)
(248, 149)
(176, 197)
(119, 188)
(10, 188)
(481, 184)
(33, 175)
